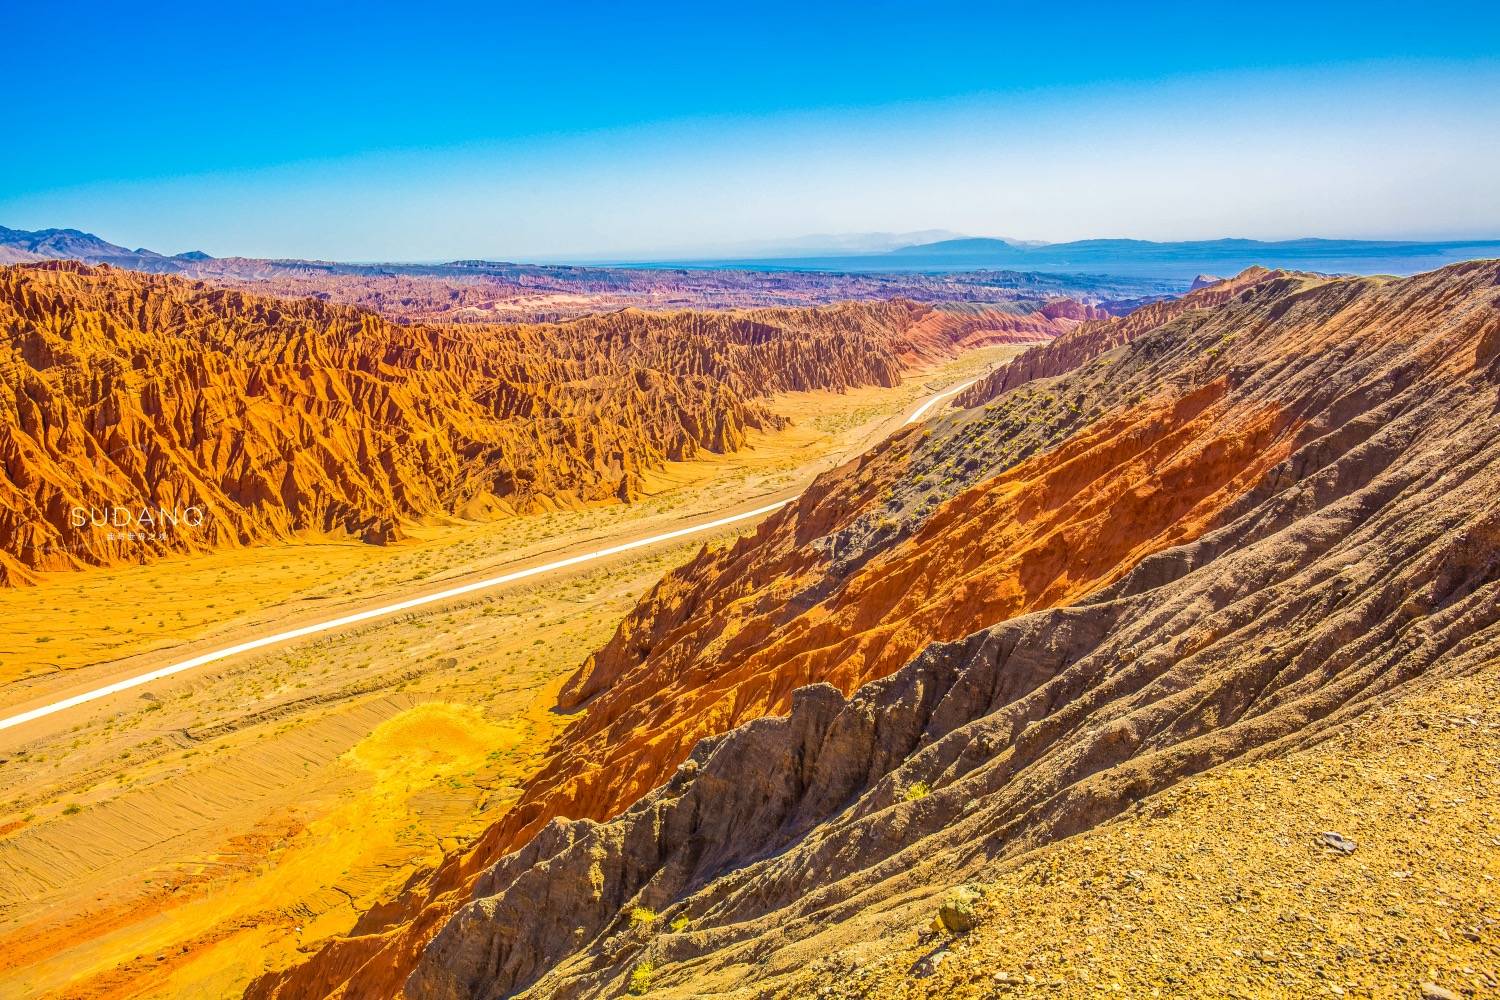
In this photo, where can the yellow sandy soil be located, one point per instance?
(177, 843)
(77, 619)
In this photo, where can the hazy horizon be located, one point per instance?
(670, 135)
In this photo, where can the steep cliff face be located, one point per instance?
(1304, 526)
(145, 415)
(1246, 524)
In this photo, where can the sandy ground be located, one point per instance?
(178, 839)
(1224, 886)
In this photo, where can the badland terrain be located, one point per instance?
(1140, 646)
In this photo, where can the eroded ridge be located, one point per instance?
(146, 415)
(1212, 541)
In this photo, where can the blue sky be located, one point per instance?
(442, 130)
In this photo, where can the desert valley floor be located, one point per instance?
(1095, 645)
(912, 501)
(181, 840)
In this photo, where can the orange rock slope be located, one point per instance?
(1103, 334)
(1170, 425)
(144, 415)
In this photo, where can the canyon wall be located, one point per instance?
(145, 415)
(1214, 533)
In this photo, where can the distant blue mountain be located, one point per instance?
(1144, 259)
(20, 245)
(1173, 265)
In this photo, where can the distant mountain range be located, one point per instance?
(18, 246)
(1177, 262)
(480, 291)
(815, 245)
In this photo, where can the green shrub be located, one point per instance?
(917, 790)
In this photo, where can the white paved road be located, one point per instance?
(368, 614)
(921, 411)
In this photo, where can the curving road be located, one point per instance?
(932, 401)
(333, 624)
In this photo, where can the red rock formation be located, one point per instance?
(1074, 310)
(1299, 522)
(1175, 500)
(940, 331)
(127, 400)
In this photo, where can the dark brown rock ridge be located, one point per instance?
(129, 402)
(1362, 561)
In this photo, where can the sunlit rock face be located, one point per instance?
(1205, 531)
(232, 418)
